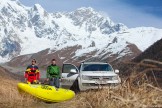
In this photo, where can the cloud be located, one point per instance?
(153, 7)
(104, 14)
(132, 17)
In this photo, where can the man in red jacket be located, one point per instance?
(32, 73)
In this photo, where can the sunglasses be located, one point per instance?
(33, 61)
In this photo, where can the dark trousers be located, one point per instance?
(55, 82)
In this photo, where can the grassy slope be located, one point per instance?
(9, 95)
(126, 96)
(143, 96)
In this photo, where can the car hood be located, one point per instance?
(98, 73)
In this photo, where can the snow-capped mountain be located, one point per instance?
(26, 30)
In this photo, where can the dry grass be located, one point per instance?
(125, 96)
(128, 95)
(10, 97)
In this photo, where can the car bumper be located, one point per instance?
(85, 85)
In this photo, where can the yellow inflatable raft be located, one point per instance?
(47, 93)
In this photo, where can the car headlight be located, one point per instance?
(115, 78)
(85, 77)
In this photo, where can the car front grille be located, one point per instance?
(93, 84)
(101, 78)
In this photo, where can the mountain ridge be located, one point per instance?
(27, 30)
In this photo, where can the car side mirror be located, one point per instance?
(73, 71)
(117, 71)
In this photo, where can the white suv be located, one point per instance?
(89, 75)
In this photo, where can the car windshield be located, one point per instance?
(96, 67)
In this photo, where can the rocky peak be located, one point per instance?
(38, 9)
(93, 20)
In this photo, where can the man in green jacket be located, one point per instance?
(53, 74)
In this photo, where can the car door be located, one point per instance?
(69, 76)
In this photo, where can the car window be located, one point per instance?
(67, 68)
(96, 67)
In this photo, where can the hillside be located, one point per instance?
(9, 95)
(148, 64)
(127, 95)
(153, 52)
(6, 74)
(66, 56)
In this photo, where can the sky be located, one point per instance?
(132, 13)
